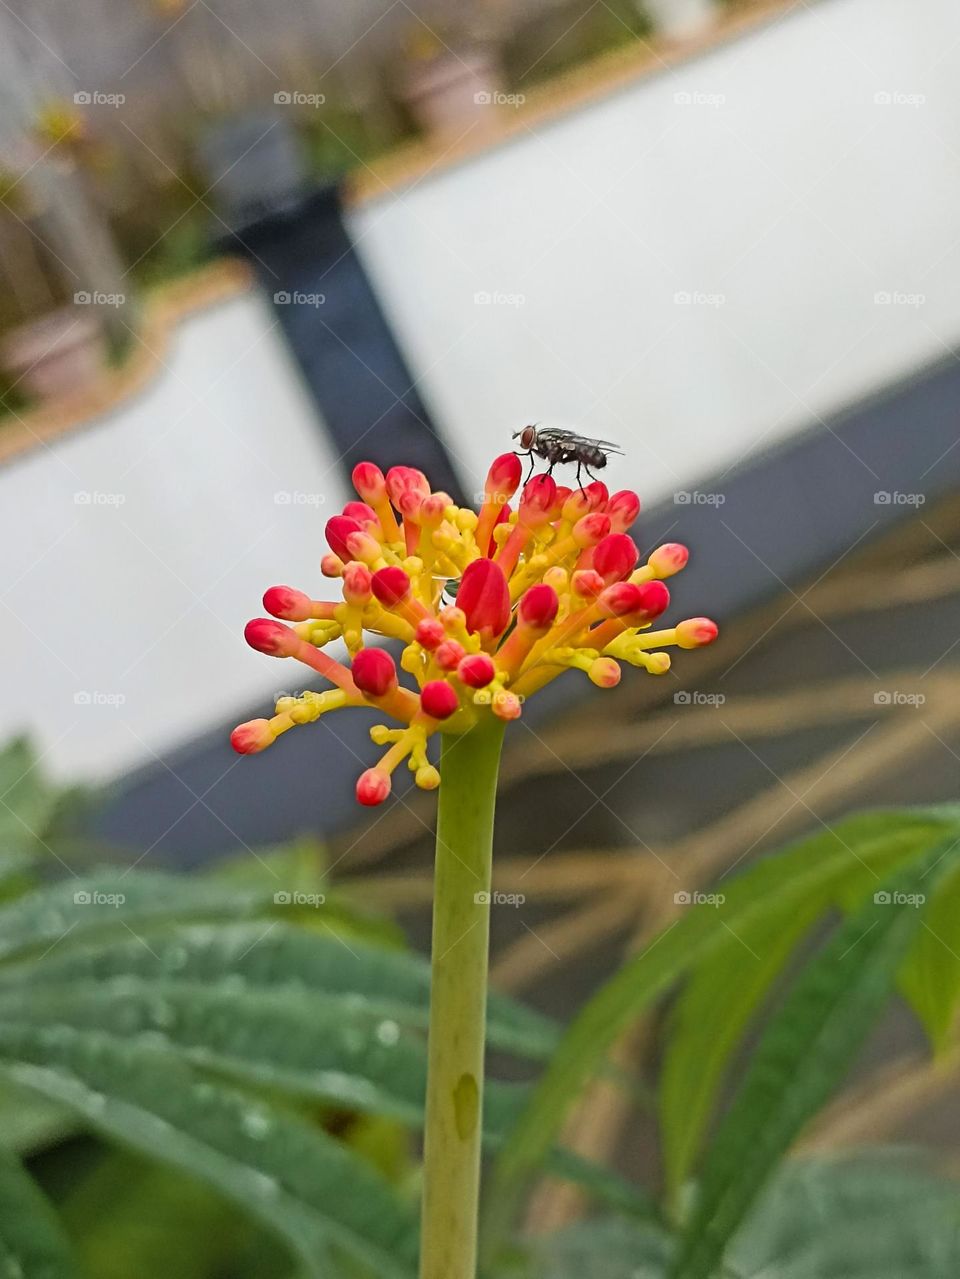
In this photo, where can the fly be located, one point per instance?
(555, 446)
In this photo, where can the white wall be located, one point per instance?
(796, 195)
(135, 550)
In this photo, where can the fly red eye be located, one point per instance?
(527, 437)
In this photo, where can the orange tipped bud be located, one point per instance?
(506, 705)
(597, 495)
(591, 529)
(363, 547)
(484, 597)
(285, 602)
(390, 585)
(695, 632)
(357, 583)
(373, 787)
(406, 479)
(369, 481)
(604, 672)
(438, 699)
(272, 638)
(621, 599)
(450, 654)
(331, 566)
(668, 559)
(477, 670)
(623, 508)
(538, 607)
(615, 557)
(256, 735)
(374, 671)
(433, 508)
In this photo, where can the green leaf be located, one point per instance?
(805, 1051)
(26, 801)
(789, 878)
(720, 999)
(33, 1244)
(273, 955)
(930, 977)
(873, 1216)
(310, 1189)
(611, 1248)
(112, 900)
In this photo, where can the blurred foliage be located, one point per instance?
(221, 1075)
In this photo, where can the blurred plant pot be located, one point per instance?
(450, 93)
(680, 19)
(56, 356)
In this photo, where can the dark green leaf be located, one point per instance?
(32, 1242)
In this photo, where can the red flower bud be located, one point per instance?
(449, 655)
(271, 637)
(537, 501)
(654, 600)
(587, 582)
(597, 495)
(256, 735)
(669, 559)
(363, 514)
(484, 597)
(406, 479)
(438, 699)
(591, 529)
(390, 585)
(430, 633)
(615, 557)
(338, 529)
(369, 482)
(695, 632)
(433, 507)
(538, 607)
(477, 670)
(374, 671)
(373, 787)
(623, 508)
(506, 705)
(285, 602)
(503, 478)
(331, 566)
(622, 599)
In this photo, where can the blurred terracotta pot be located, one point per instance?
(450, 93)
(680, 19)
(56, 356)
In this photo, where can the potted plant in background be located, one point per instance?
(49, 348)
(449, 86)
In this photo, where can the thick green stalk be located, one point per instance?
(458, 1001)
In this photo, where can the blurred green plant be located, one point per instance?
(218, 1074)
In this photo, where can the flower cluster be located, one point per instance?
(551, 585)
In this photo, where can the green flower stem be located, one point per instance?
(458, 1001)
